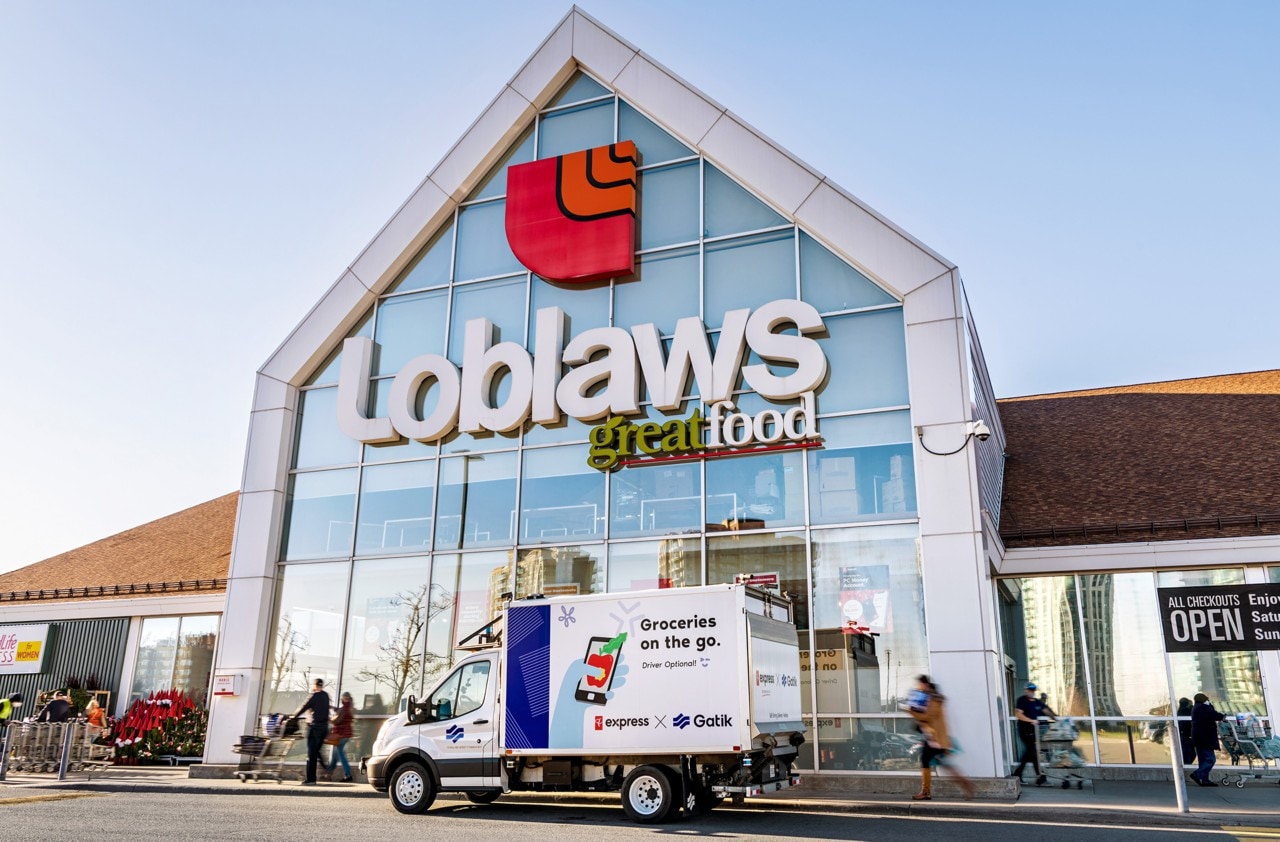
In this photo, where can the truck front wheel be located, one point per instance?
(412, 790)
(648, 795)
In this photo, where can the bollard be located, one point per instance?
(66, 751)
(4, 752)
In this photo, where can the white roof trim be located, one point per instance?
(844, 224)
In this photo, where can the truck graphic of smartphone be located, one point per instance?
(602, 661)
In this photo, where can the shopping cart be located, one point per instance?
(1055, 746)
(1246, 736)
(264, 751)
(37, 747)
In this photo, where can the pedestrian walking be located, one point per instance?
(925, 705)
(58, 709)
(1204, 736)
(1029, 710)
(1184, 731)
(342, 732)
(317, 708)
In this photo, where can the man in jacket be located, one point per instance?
(317, 705)
(1029, 710)
(1204, 735)
(57, 710)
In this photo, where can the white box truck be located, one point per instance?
(675, 698)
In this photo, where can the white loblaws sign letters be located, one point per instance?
(607, 367)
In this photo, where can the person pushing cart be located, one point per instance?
(1029, 710)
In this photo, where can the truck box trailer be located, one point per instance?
(675, 698)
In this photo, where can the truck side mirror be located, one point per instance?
(444, 709)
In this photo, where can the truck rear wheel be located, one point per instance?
(648, 795)
(412, 790)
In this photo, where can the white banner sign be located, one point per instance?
(23, 649)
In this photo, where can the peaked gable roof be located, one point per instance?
(871, 243)
(168, 555)
(1193, 458)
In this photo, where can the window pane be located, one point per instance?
(559, 571)
(197, 640)
(749, 272)
(1122, 628)
(1273, 574)
(1129, 743)
(665, 290)
(329, 373)
(482, 243)
(409, 326)
(157, 647)
(755, 492)
(884, 745)
(663, 499)
(396, 507)
(647, 565)
(868, 351)
(320, 442)
(654, 144)
(864, 471)
(828, 283)
(1043, 640)
(387, 617)
(1231, 680)
(1078, 752)
(783, 554)
(586, 305)
(477, 501)
(669, 206)
(495, 184)
(732, 210)
(432, 266)
(470, 588)
(563, 496)
(869, 578)
(320, 514)
(575, 129)
(580, 88)
(569, 429)
(501, 302)
(310, 607)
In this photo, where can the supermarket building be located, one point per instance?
(447, 426)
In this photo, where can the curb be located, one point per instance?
(993, 812)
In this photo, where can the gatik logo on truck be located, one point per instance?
(573, 218)
(766, 679)
(454, 733)
(698, 720)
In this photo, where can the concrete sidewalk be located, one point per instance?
(1135, 803)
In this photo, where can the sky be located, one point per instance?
(181, 181)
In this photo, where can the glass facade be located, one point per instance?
(394, 553)
(1093, 646)
(175, 653)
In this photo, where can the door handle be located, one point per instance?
(481, 722)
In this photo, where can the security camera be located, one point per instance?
(981, 431)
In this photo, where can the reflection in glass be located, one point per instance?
(750, 271)
(320, 442)
(869, 350)
(1122, 628)
(501, 302)
(559, 571)
(867, 579)
(197, 640)
(387, 617)
(864, 470)
(755, 492)
(307, 640)
(649, 565)
(665, 290)
(781, 554)
(573, 129)
(874, 744)
(1133, 742)
(673, 194)
(470, 587)
(320, 514)
(662, 499)
(157, 647)
(482, 243)
(477, 500)
(563, 496)
(408, 326)
(395, 507)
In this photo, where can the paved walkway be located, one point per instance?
(1257, 804)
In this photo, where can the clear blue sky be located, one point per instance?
(180, 182)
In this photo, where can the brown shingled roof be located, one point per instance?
(1194, 458)
(193, 545)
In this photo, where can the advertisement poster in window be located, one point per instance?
(864, 598)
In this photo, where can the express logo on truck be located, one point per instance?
(573, 218)
(621, 722)
(764, 679)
